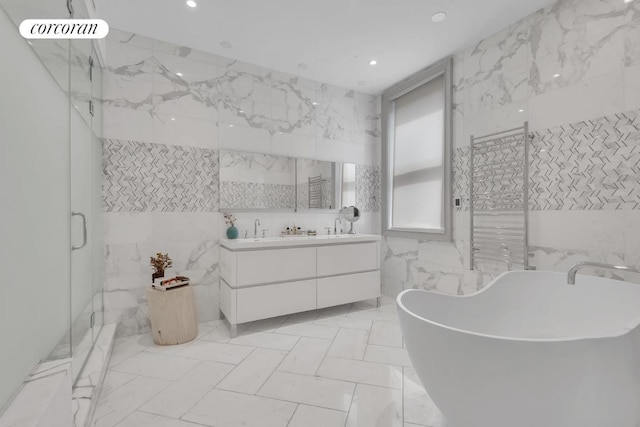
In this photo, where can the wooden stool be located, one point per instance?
(173, 315)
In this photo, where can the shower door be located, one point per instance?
(86, 200)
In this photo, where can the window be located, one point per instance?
(417, 155)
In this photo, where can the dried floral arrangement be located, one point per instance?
(161, 262)
(229, 219)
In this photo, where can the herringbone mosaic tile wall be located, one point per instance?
(251, 195)
(145, 177)
(368, 193)
(587, 165)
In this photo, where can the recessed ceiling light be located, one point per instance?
(179, 74)
(373, 62)
(362, 83)
(226, 44)
(240, 111)
(191, 3)
(439, 16)
(555, 76)
(303, 66)
(230, 126)
(521, 110)
(173, 118)
(628, 1)
(314, 103)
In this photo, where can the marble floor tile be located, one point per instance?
(345, 322)
(349, 344)
(144, 419)
(388, 355)
(373, 314)
(312, 416)
(161, 366)
(306, 356)
(323, 368)
(304, 317)
(309, 330)
(375, 407)
(386, 333)
(326, 393)
(253, 371)
(123, 348)
(418, 406)
(219, 334)
(217, 352)
(266, 325)
(266, 340)
(204, 329)
(113, 380)
(118, 404)
(209, 326)
(221, 408)
(339, 310)
(361, 372)
(177, 398)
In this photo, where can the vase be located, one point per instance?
(155, 276)
(232, 232)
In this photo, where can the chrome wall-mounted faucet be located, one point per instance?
(256, 223)
(335, 227)
(571, 275)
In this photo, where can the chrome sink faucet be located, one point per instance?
(256, 223)
(335, 227)
(571, 275)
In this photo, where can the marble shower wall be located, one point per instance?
(572, 70)
(167, 112)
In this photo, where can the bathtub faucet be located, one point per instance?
(571, 275)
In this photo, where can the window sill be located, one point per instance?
(424, 234)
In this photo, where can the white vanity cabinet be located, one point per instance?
(263, 278)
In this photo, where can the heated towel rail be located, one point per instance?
(499, 198)
(316, 184)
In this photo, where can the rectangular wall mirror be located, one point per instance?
(257, 181)
(316, 184)
(254, 181)
(348, 185)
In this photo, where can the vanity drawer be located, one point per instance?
(275, 265)
(341, 259)
(262, 302)
(348, 288)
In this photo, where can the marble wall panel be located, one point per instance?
(167, 110)
(570, 70)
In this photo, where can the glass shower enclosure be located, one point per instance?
(75, 67)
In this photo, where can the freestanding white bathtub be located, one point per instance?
(529, 351)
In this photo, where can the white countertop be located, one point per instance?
(293, 241)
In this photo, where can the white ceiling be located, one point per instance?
(335, 38)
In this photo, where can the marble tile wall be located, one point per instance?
(168, 108)
(572, 70)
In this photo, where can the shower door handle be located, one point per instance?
(84, 230)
